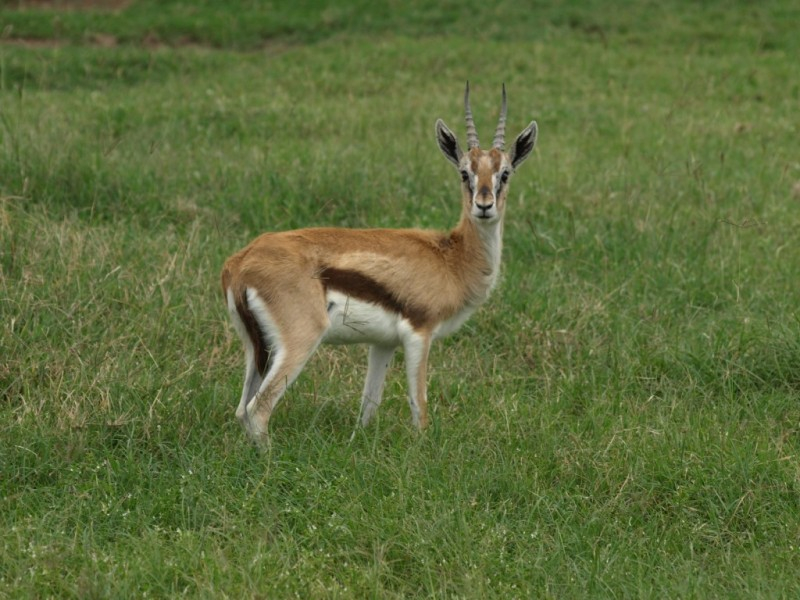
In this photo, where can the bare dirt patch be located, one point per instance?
(31, 42)
(111, 5)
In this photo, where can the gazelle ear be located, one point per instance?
(448, 143)
(523, 144)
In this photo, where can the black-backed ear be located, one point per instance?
(523, 144)
(448, 143)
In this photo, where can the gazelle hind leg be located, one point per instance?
(380, 357)
(417, 347)
(291, 347)
(252, 382)
(252, 378)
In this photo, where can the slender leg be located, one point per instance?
(380, 357)
(291, 347)
(252, 378)
(417, 346)
(284, 370)
(252, 382)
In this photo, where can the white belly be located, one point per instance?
(357, 322)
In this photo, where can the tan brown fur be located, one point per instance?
(441, 272)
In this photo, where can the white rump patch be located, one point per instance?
(270, 329)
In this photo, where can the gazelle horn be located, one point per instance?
(500, 134)
(472, 133)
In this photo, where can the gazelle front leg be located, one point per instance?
(417, 347)
(380, 357)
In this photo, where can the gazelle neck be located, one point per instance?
(491, 236)
(484, 246)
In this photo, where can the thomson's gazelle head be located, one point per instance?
(485, 174)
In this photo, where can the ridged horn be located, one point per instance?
(472, 133)
(500, 134)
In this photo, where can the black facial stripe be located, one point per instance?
(502, 181)
(466, 179)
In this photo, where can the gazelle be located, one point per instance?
(289, 291)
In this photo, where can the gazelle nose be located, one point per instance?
(484, 208)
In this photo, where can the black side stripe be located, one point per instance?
(358, 285)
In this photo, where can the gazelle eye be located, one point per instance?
(504, 177)
(464, 176)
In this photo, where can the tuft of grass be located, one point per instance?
(619, 420)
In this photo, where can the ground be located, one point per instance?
(620, 419)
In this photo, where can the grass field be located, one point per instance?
(622, 419)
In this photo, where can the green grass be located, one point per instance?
(620, 420)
